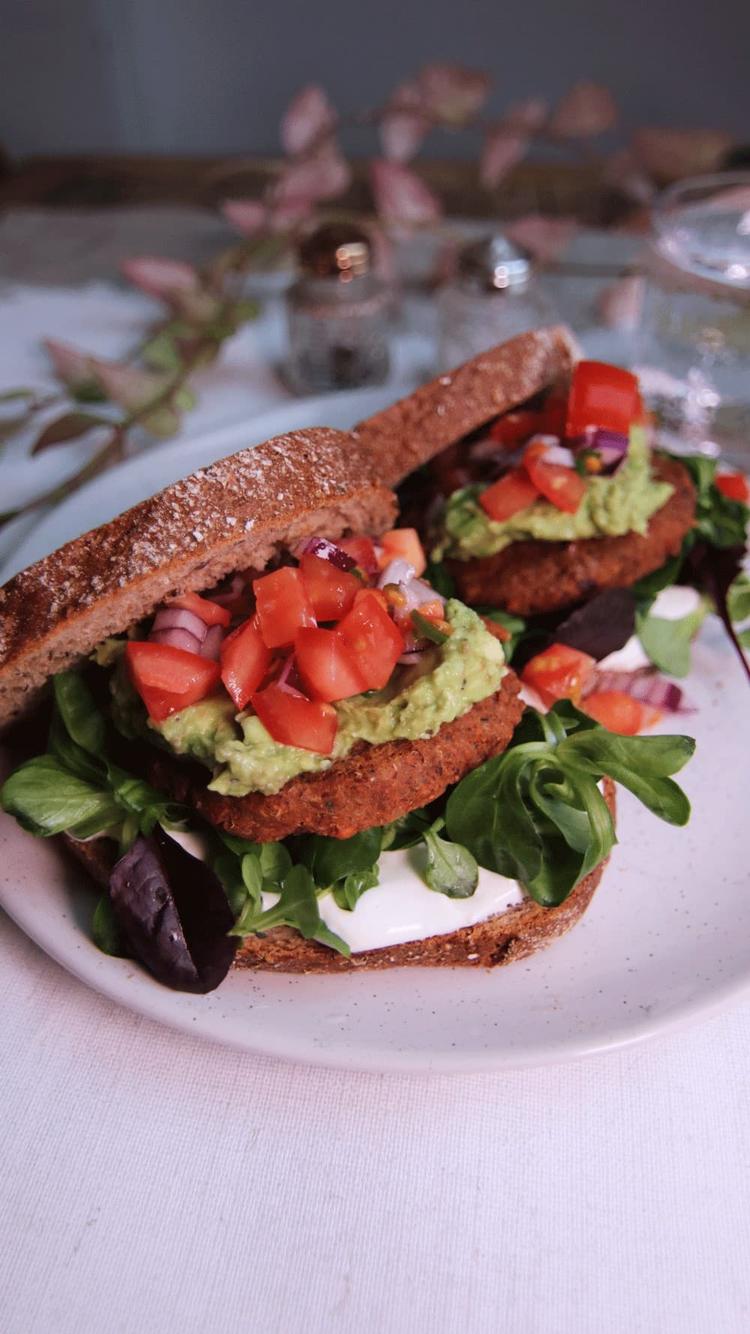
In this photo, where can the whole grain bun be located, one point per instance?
(235, 514)
(504, 938)
(415, 429)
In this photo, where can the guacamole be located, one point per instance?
(468, 667)
(612, 506)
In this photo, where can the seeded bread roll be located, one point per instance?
(412, 431)
(236, 514)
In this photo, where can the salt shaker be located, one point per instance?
(337, 312)
(492, 297)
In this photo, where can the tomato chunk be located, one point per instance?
(168, 679)
(558, 484)
(517, 426)
(514, 492)
(602, 395)
(327, 665)
(283, 606)
(245, 659)
(734, 485)
(209, 612)
(619, 712)
(361, 549)
(293, 720)
(377, 644)
(559, 672)
(403, 544)
(331, 591)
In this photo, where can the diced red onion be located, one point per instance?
(612, 440)
(554, 452)
(291, 690)
(325, 550)
(416, 592)
(412, 657)
(178, 618)
(288, 680)
(647, 687)
(211, 646)
(397, 571)
(177, 638)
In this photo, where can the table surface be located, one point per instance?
(152, 1183)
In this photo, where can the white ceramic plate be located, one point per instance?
(667, 937)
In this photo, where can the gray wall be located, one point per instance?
(214, 75)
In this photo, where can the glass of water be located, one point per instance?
(695, 349)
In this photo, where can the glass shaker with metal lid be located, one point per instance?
(337, 312)
(493, 296)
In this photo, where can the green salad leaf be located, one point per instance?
(536, 814)
(668, 642)
(718, 520)
(297, 907)
(450, 869)
(74, 788)
(47, 799)
(738, 599)
(349, 891)
(105, 931)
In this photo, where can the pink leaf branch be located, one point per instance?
(400, 196)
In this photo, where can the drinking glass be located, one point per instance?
(695, 345)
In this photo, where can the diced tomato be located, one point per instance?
(168, 679)
(602, 395)
(734, 485)
(517, 426)
(403, 544)
(245, 659)
(283, 606)
(209, 612)
(564, 487)
(362, 549)
(330, 590)
(559, 672)
(327, 665)
(376, 642)
(515, 491)
(619, 712)
(295, 721)
(379, 594)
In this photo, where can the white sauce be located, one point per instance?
(674, 603)
(629, 658)
(401, 908)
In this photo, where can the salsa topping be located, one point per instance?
(336, 625)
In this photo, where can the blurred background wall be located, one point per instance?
(213, 76)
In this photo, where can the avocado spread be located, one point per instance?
(468, 667)
(612, 506)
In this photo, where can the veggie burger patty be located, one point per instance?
(370, 786)
(530, 577)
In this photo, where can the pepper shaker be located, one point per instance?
(337, 311)
(492, 297)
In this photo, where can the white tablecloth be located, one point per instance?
(151, 1183)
